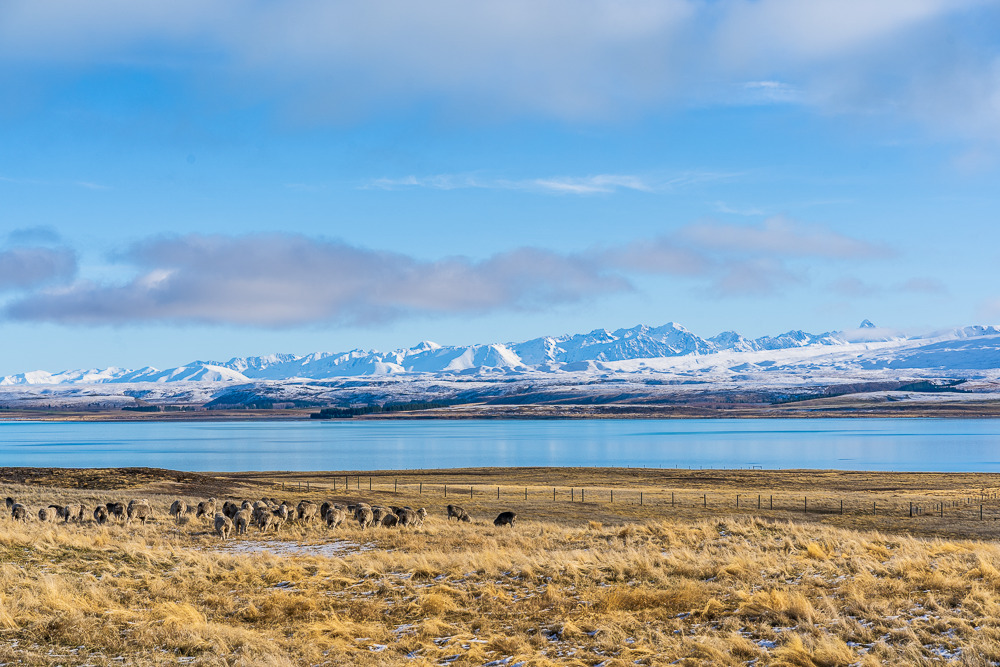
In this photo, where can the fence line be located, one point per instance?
(829, 504)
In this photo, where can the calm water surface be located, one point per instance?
(847, 444)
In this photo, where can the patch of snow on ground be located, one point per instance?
(290, 548)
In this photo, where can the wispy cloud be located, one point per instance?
(561, 185)
(768, 92)
(852, 286)
(783, 236)
(91, 186)
(39, 234)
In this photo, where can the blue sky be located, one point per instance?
(201, 180)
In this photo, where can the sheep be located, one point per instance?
(379, 513)
(223, 525)
(258, 512)
(19, 512)
(459, 513)
(261, 504)
(308, 511)
(505, 519)
(139, 509)
(242, 520)
(67, 512)
(408, 517)
(206, 508)
(46, 514)
(264, 520)
(421, 514)
(101, 515)
(390, 520)
(282, 512)
(10, 502)
(324, 508)
(116, 510)
(230, 509)
(364, 517)
(335, 516)
(246, 505)
(177, 508)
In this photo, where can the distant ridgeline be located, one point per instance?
(342, 413)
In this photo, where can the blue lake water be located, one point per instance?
(846, 444)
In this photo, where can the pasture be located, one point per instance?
(590, 582)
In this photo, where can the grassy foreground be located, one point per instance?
(588, 584)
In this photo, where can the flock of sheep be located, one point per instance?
(138, 510)
(265, 513)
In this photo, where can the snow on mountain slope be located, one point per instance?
(640, 349)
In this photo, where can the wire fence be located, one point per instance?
(982, 506)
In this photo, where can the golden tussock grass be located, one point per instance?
(728, 590)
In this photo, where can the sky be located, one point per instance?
(188, 180)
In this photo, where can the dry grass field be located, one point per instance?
(572, 583)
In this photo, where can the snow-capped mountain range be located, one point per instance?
(668, 346)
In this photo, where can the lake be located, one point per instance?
(845, 444)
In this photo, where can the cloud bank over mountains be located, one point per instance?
(288, 280)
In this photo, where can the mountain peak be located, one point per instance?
(866, 324)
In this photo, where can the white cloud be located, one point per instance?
(566, 59)
(286, 280)
(281, 280)
(781, 236)
(28, 267)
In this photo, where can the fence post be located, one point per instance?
(395, 484)
(874, 511)
(737, 501)
(911, 510)
(572, 494)
(704, 500)
(498, 493)
(445, 490)
(640, 497)
(612, 496)
(421, 488)
(772, 502)
(805, 504)
(841, 505)
(369, 483)
(525, 493)
(671, 498)
(553, 494)
(581, 495)
(980, 512)
(470, 491)
(758, 501)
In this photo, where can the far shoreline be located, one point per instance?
(824, 408)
